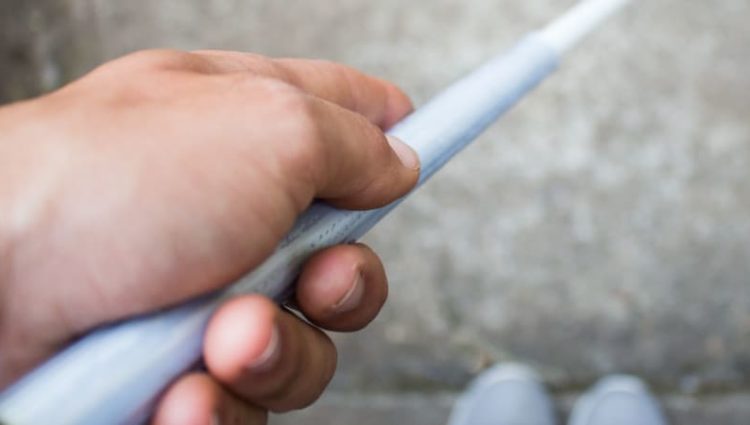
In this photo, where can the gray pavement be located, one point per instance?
(603, 226)
(418, 409)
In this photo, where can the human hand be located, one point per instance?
(165, 175)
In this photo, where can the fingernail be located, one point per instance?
(405, 153)
(353, 297)
(270, 355)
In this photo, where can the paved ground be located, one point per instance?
(418, 409)
(603, 226)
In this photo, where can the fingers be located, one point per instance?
(197, 399)
(354, 165)
(261, 357)
(357, 167)
(381, 102)
(342, 288)
(268, 357)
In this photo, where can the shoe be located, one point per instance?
(507, 394)
(618, 400)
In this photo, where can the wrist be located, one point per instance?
(21, 194)
(8, 207)
(22, 201)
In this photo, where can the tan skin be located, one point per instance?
(164, 175)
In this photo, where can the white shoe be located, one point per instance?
(618, 400)
(507, 394)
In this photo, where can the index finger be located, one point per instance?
(380, 101)
(383, 103)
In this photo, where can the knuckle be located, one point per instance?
(299, 107)
(157, 59)
(145, 74)
(300, 123)
(243, 58)
(302, 128)
(151, 60)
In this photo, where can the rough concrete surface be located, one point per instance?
(417, 409)
(603, 226)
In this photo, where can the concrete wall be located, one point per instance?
(603, 226)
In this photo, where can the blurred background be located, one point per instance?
(603, 226)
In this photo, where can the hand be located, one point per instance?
(165, 175)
